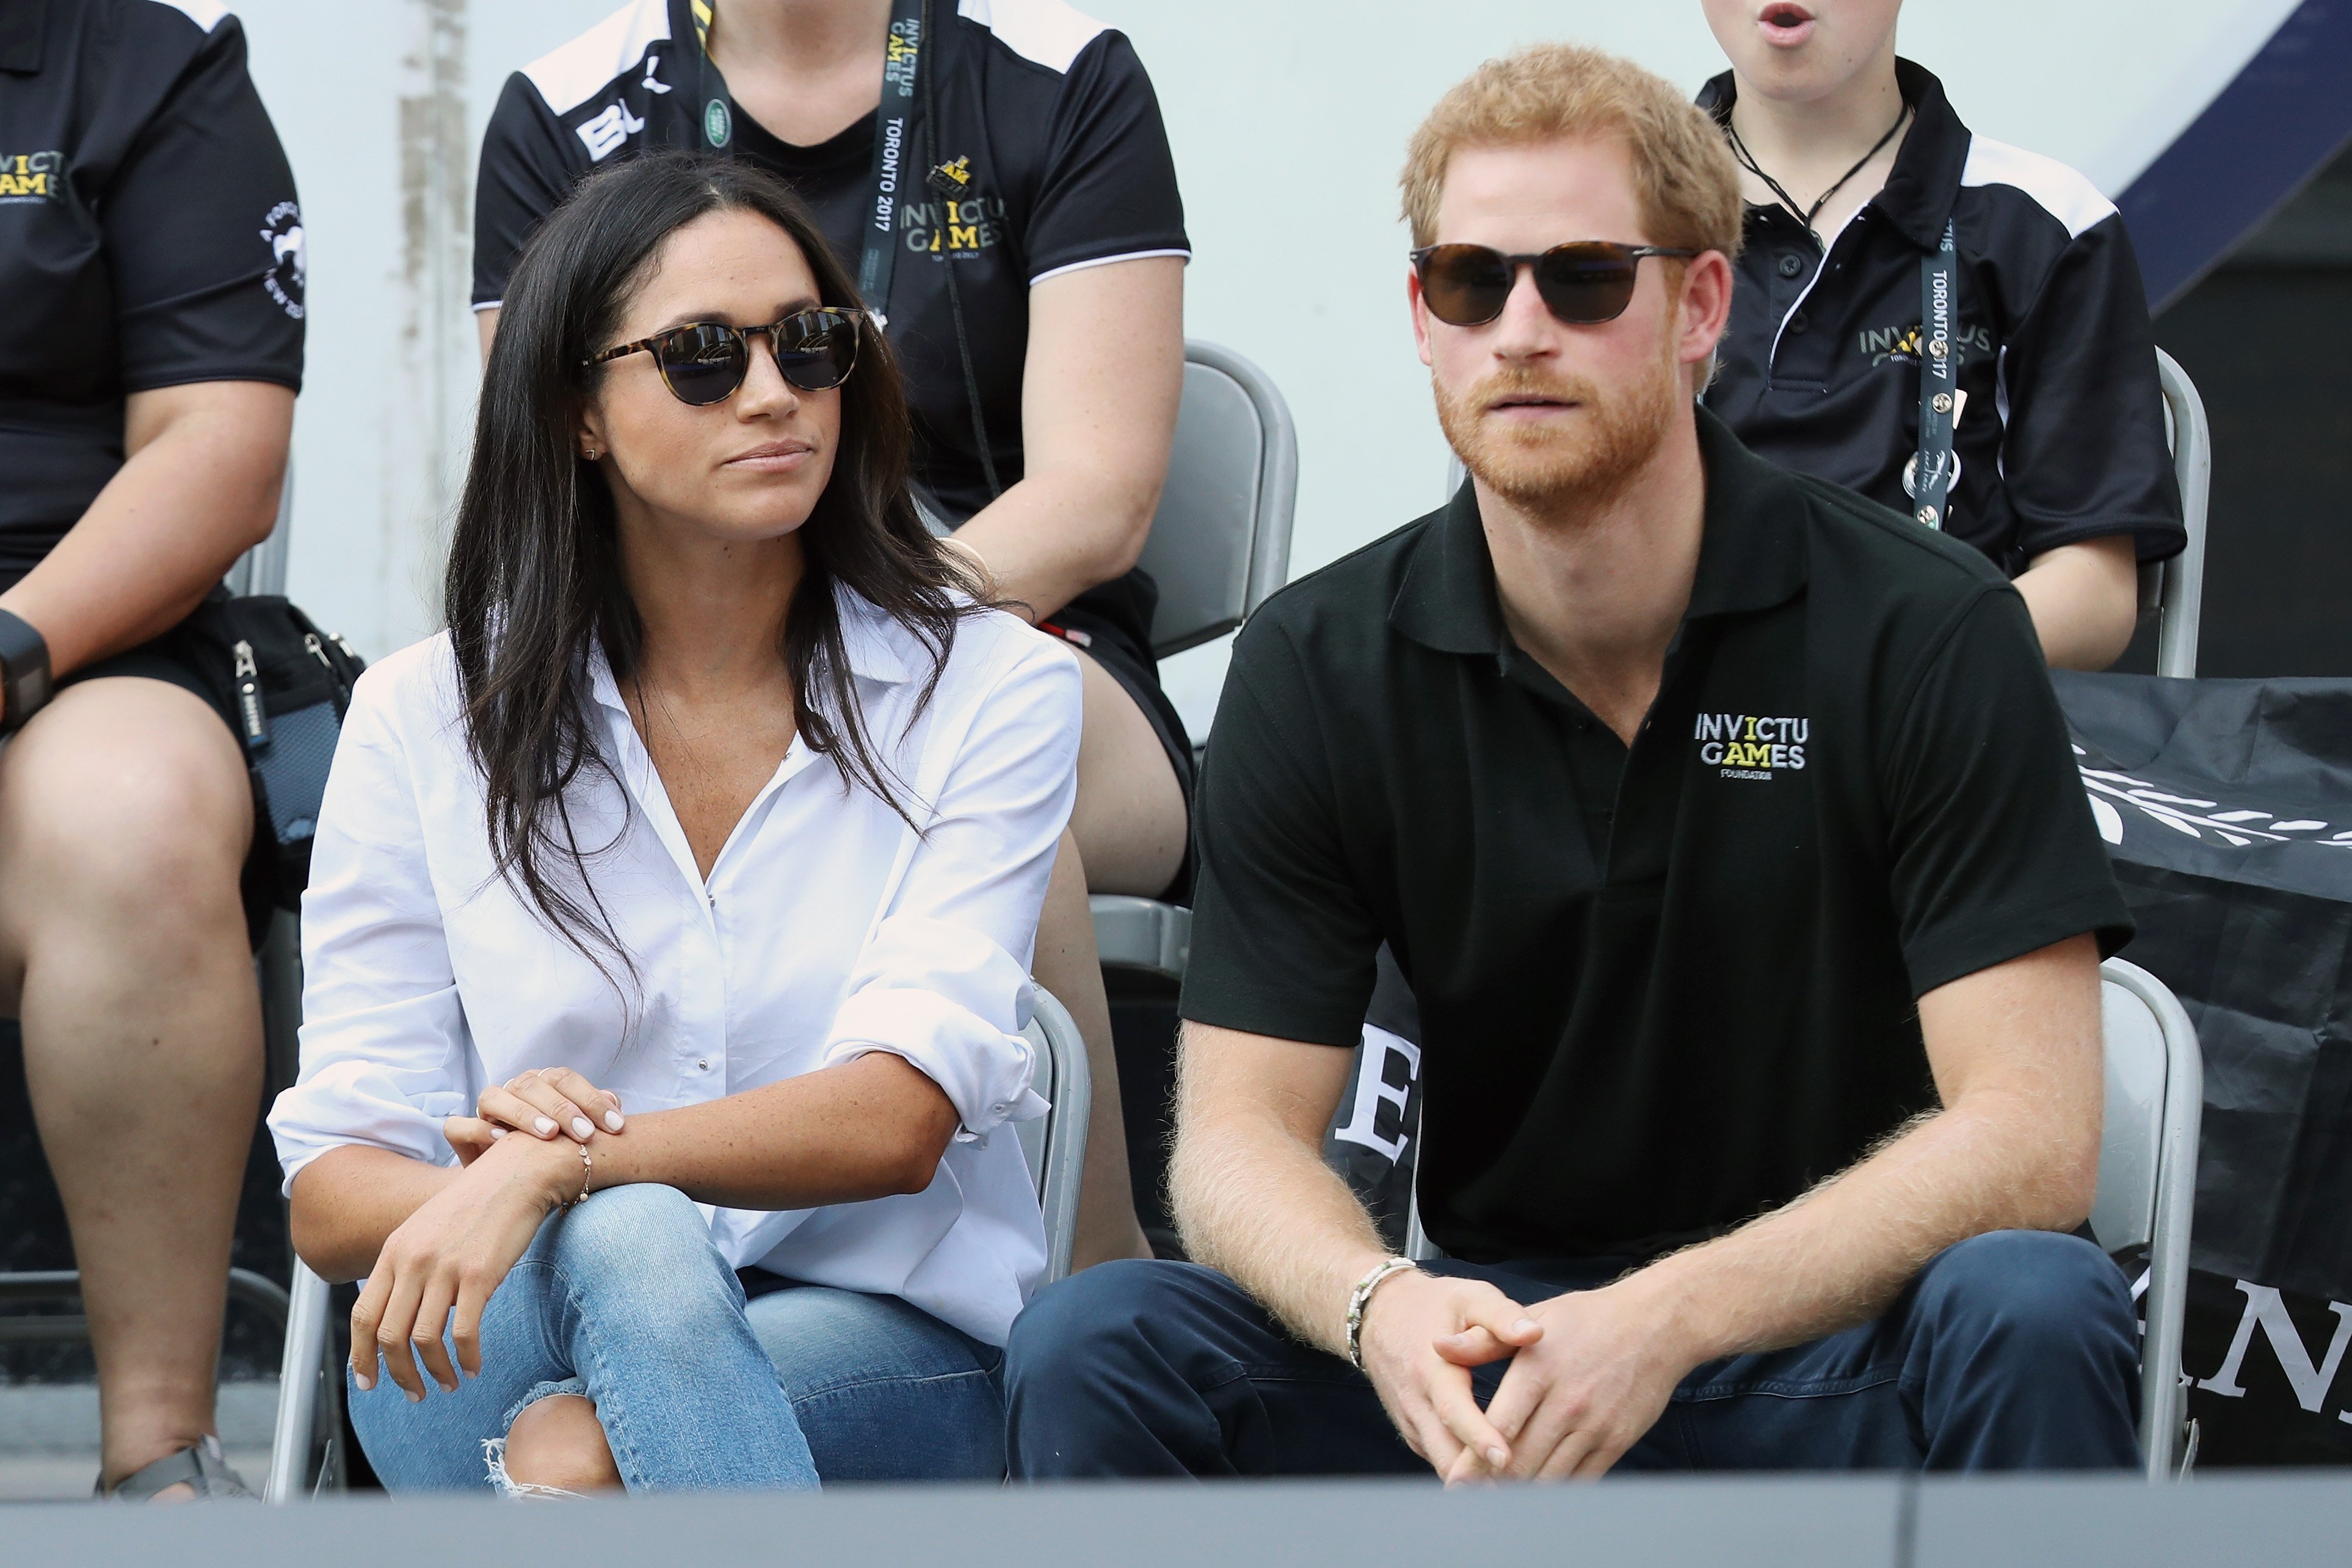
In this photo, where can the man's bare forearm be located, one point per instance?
(1840, 1255)
(1250, 1190)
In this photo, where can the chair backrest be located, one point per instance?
(262, 568)
(1220, 541)
(2175, 589)
(1056, 1143)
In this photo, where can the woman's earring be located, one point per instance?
(590, 453)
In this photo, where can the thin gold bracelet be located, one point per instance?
(587, 1173)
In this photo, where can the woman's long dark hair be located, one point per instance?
(534, 574)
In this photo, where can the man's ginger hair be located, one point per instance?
(1684, 178)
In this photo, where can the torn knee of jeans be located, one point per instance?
(494, 1456)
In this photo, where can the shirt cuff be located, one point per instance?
(985, 1072)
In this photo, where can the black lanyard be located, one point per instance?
(1936, 467)
(893, 139)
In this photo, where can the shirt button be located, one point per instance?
(1798, 323)
(1791, 264)
(703, 1064)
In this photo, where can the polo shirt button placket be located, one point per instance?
(1791, 264)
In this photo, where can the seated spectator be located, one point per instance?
(1854, 169)
(1725, 827)
(999, 177)
(699, 860)
(151, 249)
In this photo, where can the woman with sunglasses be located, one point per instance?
(2039, 423)
(671, 913)
(996, 175)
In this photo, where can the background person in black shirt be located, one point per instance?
(1065, 233)
(1853, 163)
(1725, 827)
(152, 254)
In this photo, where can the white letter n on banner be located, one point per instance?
(2264, 1307)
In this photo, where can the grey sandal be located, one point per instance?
(203, 1469)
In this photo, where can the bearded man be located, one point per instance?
(1726, 830)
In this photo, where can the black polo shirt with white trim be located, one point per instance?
(2061, 438)
(1660, 988)
(149, 237)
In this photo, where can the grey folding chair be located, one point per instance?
(303, 1454)
(1219, 545)
(2148, 1186)
(2174, 590)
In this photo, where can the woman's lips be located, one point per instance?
(1785, 27)
(776, 457)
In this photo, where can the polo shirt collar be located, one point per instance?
(1925, 180)
(24, 29)
(1751, 556)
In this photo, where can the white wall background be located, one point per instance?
(1288, 120)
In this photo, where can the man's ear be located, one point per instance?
(1706, 307)
(1420, 308)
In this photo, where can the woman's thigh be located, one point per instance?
(884, 1391)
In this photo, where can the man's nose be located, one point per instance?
(1526, 327)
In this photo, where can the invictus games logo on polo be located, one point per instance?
(1751, 746)
(1901, 345)
(32, 177)
(290, 258)
(954, 227)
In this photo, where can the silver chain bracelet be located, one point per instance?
(1361, 1297)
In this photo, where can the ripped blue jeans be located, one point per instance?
(625, 1300)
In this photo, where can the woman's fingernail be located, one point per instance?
(545, 1125)
(498, 1133)
(367, 1384)
(416, 1396)
(581, 1130)
(612, 1119)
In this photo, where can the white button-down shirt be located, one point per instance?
(826, 929)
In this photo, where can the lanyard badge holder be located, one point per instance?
(1933, 470)
(893, 139)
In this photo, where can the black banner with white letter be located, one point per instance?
(2227, 807)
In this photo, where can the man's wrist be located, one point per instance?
(1662, 1295)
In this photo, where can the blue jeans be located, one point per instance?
(2012, 1351)
(625, 1300)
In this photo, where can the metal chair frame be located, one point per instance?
(2175, 589)
(310, 1380)
(2148, 1196)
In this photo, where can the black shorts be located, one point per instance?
(1138, 674)
(180, 658)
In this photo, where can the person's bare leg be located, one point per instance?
(125, 815)
(1127, 835)
(1129, 819)
(558, 1442)
(1067, 965)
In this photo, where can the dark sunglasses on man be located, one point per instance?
(704, 363)
(1583, 283)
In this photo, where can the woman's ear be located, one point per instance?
(588, 440)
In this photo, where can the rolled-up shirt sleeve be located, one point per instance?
(385, 1042)
(943, 977)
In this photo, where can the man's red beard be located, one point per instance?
(1548, 464)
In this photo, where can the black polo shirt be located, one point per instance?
(1048, 111)
(149, 237)
(2061, 438)
(1660, 990)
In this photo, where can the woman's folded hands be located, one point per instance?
(549, 1103)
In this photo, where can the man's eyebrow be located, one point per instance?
(697, 318)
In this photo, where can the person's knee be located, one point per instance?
(644, 1232)
(127, 795)
(558, 1442)
(2026, 1288)
(1063, 1339)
